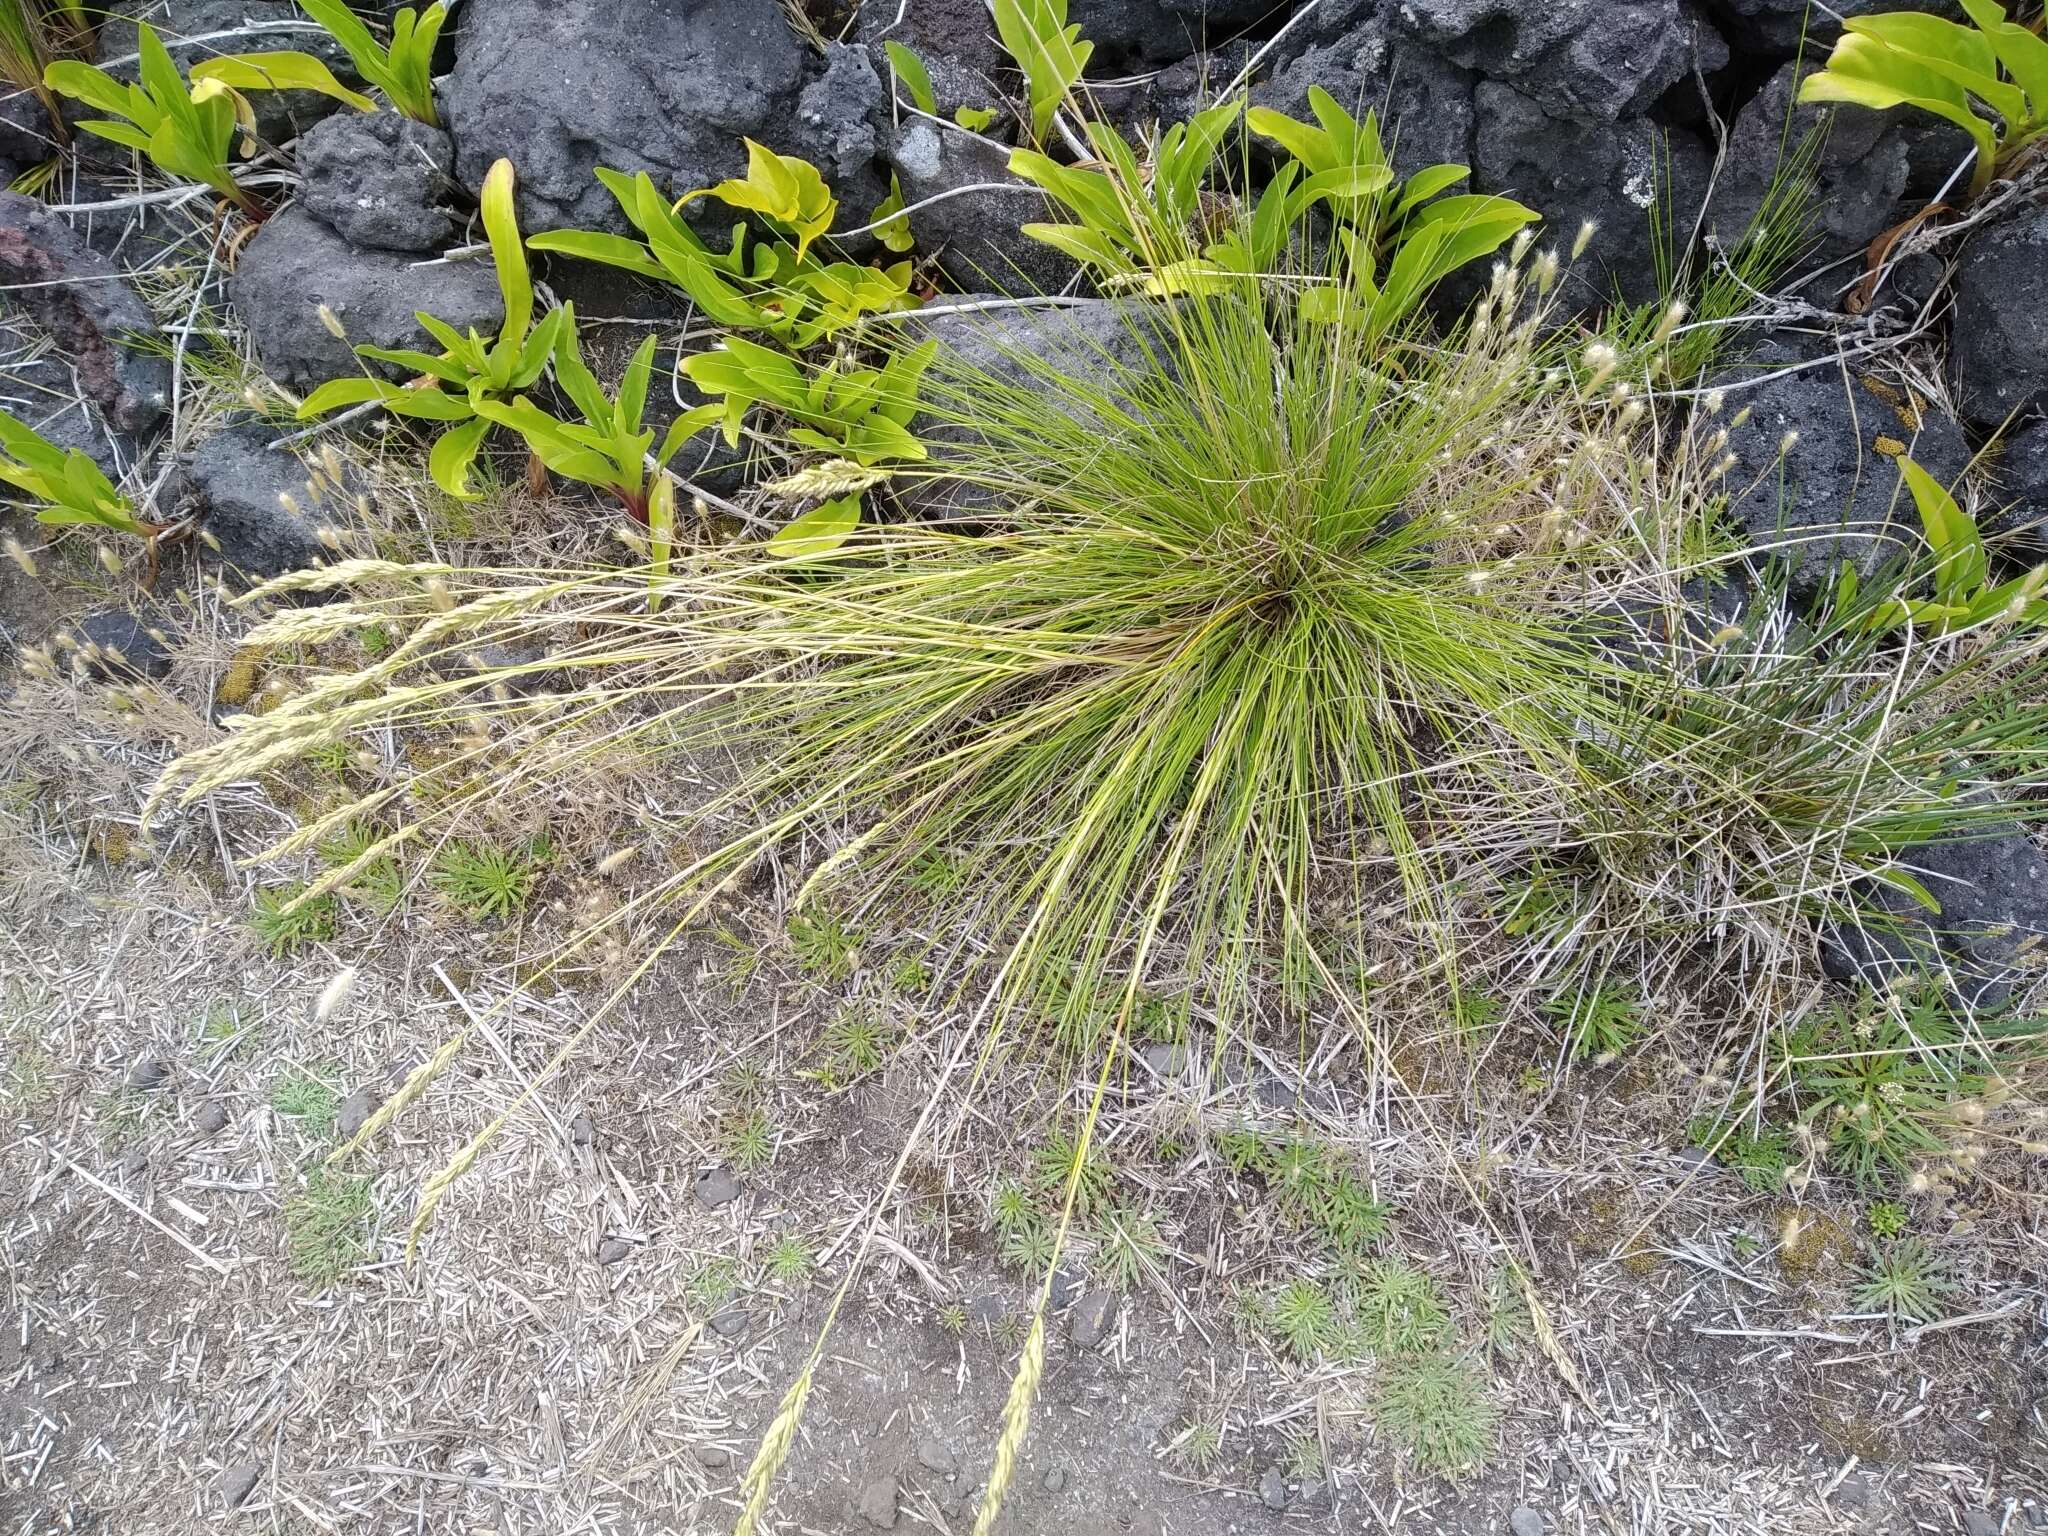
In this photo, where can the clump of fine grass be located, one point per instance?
(327, 1225)
(1435, 1407)
(288, 917)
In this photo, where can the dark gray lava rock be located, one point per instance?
(26, 134)
(115, 645)
(1772, 27)
(1610, 172)
(1994, 916)
(975, 234)
(2001, 319)
(238, 484)
(934, 1455)
(380, 181)
(2022, 477)
(582, 1131)
(85, 305)
(731, 1323)
(877, 1504)
(564, 86)
(255, 26)
(842, 120)
(1838, 497)
(1131, 32)
(1524, 1521)
(1273, 1489)
(715, 1187)
(1859, 177)
(1603, 63)
(1423, 100)
(296, 263)
(212, 1118)
(612, 1250)
(953, 39)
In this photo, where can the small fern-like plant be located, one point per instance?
(1435, 1407)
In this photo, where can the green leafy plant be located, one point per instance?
(1058, 1159)
(1049, 51)
(1398, 1308)
(1302, 1316)
(780, 288)
(186, 132)
(1907, 1281)
(861, 414)
(1029, 1247)
(855, 1043)
(608, 448)
(1964, 596)
(826, 948)
(1910, 60)
(1601, 1021)
(403, 71)
(789, 1259)
(1128, 1246)
(1435, 1407)
(482, 880)
(750, 1142)
(305, 1096)
(285, 918)
(1400, 239)
(1304, 1458)
(908, 71)
(68, 489)
(470, 370)
(1201, 1445)
(374, 877)
(1759, 1156)
(1887, 1219)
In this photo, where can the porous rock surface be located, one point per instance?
(2001, 319)
(564, 86)
(380, 181)
(296, 264)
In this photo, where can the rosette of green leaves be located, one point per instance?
(1964, 594)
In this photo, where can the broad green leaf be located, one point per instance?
(1951, 533)
(591, 245)
(974, 119)
(1309, 145)
(2023, 53)
(685, 427)
(121, 133)
(501, 224)
(336, 393)
(453, 455)
(284, 71)
(892, 228)
(94, 87)
(819, 531)
(661, 537)
(915, 78)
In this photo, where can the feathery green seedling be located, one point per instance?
(286, 917)
(952, 1317)
(303, 1095)
(1128, 1247)
(1600, 1022)
(1304, 1457)
(1301, 1316)
(327, 1225)
(1435, 1407)
(67, 488)
(1201, 1445)
(1508, 1322)
(1029, 1247)
(186, 132)
(1906, 1281)
(750, 1142)
(826, 949)
(1398, 1309)
(855, 1044)
(470, 369)
(1056, 1161)
(1886, 1219)
(1905, 59)
(483, 881)
(1012, 1207)
(403, 71)
(712, 1284)
(374, 877)
(789, 1259)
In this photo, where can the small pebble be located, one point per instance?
(1091, 1318)
(1977, 1523)
(1273, 1488)
(877, 1504)
(1165, 1061)
(730, 1323)
(212, 1118)
(149, 1074)
(239, 1481)
(711, 1455)
(1054, 1480)
(1066, 1284)
(1692, 1160)
(582, 1131)
(613, 1249)
(716, 1187)
(355, 1111)
(935, 1455)
(1525, 1521)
